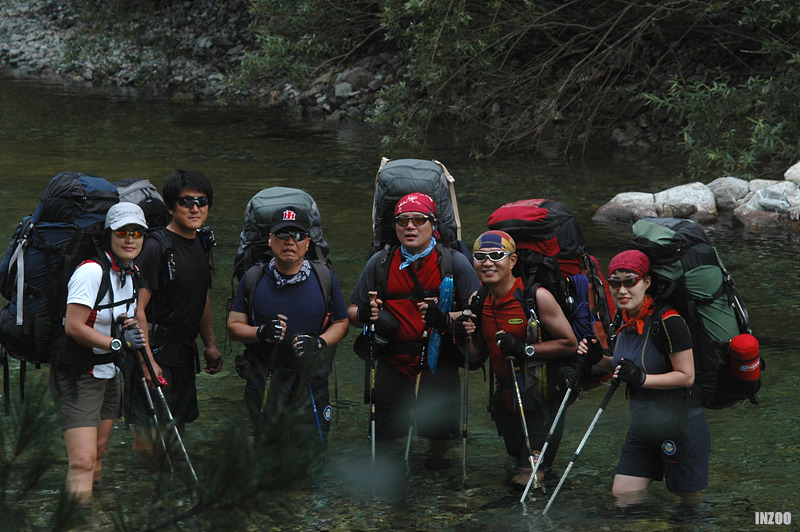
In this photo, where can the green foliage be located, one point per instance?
(28, 452)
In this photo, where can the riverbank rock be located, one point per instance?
(757, 204)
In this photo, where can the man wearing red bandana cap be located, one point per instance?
(403, 276)
(503, 336)
(668, 436)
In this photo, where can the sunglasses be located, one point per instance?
(628, 282)
(494, 256)
(418, 220)
(191, 201)
(297, 236)
(125, 234)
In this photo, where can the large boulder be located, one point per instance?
(694, 201)
(627, 207)
(793, 174)
(728, 191)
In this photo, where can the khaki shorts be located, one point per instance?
(96, 399)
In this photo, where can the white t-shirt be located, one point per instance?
(82, 290)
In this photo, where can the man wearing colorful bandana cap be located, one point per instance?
(404, 276)
(495, 240)
(504, 333)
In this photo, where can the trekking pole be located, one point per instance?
(465, 409)
(316, 414)
(170, 419)
(152, 408)
(572, 386)
(603, 405)
(372, 297)
(521, 411)
(416, 394)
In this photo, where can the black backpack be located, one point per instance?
(44, 251)
(689, 276)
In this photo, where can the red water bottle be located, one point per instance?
(745, 362)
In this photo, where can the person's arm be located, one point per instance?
(562, 341)
(143, 299)
(75, 327)
(210, 351)
(335, 331)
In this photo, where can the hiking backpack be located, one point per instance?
(144, 194)
(551, 252)
(689, 276)
(397, 178)
(43, 253)
(254, 246)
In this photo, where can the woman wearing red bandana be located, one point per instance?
(668, 437)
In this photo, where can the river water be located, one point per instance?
(45, 129)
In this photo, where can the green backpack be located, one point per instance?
(689, 276)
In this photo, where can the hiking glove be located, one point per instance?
(460, 328)
(510, 345)
(594, 353)
(364, 313)
(629, 373)
(132, 339)
(270, 332)
(436, 318)
(307, 344)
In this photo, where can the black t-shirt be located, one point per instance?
(180, 304)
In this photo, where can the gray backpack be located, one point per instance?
(253, 246)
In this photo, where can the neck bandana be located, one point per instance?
(286, 280)
(410, 258)
(638, 320)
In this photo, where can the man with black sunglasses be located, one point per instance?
(410, 387)
(174, 306)
(281, 314)
(512, 336)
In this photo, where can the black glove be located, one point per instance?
(460, 328)
(510, 345)
(364, 313)
(436, 318)
(132, 339)
(629, 373)
(270, 332)
(594, 354)
(308, 344)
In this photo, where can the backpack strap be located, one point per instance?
(251, 278)
(325, 278)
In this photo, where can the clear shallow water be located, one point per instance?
(47, 129)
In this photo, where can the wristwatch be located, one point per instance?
(116, 345)
(529, 350)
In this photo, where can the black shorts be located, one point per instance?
(683, 460)
(96, 399)
(180, 393)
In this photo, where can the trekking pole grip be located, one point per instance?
(609, 393)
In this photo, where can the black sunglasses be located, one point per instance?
(494, 256)
(121, 233)
(191, 201)
(628, 282)
(417, 220)
(297, 236)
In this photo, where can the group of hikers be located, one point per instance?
(289, 313)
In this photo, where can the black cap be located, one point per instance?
(290, 217)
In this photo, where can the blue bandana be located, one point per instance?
(409, 258)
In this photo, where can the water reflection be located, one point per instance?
(45, 130)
